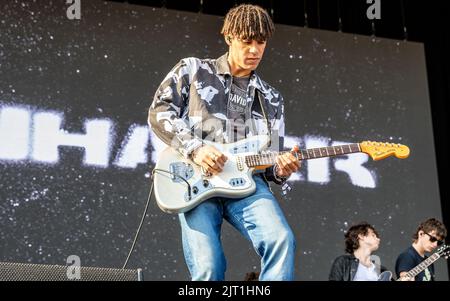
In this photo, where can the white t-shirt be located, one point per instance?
(366, 273)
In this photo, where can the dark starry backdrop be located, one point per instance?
(108, 64)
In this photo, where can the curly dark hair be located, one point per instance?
(428, 226)
(351, 236)
(248, 22)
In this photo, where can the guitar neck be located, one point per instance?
(306, 154)
(423, 265)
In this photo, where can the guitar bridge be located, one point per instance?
(180, 170)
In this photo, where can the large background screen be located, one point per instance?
(76, 152)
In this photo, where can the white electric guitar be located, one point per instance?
(180, 184)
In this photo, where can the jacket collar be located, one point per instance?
(224, 69)
(222, 65)
(351, 257)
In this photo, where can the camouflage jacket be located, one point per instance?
(191, 105)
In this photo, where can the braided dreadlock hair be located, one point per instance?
(248, 22)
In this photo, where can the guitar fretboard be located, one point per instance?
(304, 154)
(423, 265)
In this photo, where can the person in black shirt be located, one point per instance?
(427, 237)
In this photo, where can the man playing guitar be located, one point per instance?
(224, 99)
(428, 236)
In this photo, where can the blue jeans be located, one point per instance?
(257, 217)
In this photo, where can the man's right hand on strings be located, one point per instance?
(211, 159)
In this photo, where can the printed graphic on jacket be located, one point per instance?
(191, 105)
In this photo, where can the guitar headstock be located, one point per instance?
(444, 251)
(379, 150)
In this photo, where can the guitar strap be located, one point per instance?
(285, 188)
(269, 129)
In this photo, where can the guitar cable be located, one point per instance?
(148, 203)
